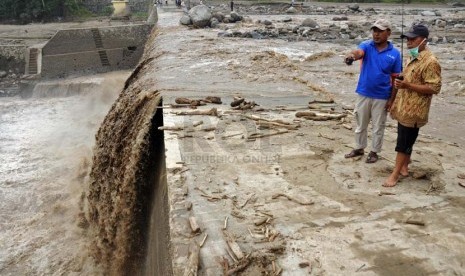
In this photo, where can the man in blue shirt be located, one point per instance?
(380, 64)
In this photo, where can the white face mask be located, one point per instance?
(414, 52)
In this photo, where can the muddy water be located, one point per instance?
(45, 151)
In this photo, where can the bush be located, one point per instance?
(108, 10)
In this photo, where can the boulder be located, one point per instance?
(428, 13)
(219, 16)
(354, 7)
(235, 16)
(200, 16)
(308, 22)
(291, 10)
(287, 19)
(267, 22)
(441, 23)
(214, 22)
(185, 20)
(3, 74)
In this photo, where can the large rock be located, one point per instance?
(218, 15)
(185, 20)
(200, 16)
(291, 10)
(428, 13)
(308, 22)
(214, 22)
(235, 16)
(354, 7)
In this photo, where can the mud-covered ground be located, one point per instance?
(326, 215)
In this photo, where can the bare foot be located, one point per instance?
(390, 182)
(404, 172)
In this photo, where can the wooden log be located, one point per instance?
(203, 240)
(268, 124)
(225, 225)
(237, 102)
(212, 99)
(316, 114)
(260, 221)
(241, 266)
(330, 101)
(292, 199)
(256, 135)
(194, 226)
(235, 248)
(211, 112)
(171, 128)
(415, 222)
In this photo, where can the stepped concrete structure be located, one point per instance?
(88, 50)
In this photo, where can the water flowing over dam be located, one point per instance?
(127, 192)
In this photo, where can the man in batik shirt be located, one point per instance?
(422, 79)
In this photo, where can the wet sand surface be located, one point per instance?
(325, 215)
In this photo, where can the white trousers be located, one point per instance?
(370, 109)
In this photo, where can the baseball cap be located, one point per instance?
(416, 31)
(381, 24)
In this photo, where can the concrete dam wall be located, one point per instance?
(93, 50)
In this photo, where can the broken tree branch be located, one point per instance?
(211, 112)
(292, 199)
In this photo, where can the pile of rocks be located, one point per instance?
(342, 28)
(9, 83)
(201, 16)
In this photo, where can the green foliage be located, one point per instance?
(26, 11)
(108, 10)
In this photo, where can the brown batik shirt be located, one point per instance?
(411, 108)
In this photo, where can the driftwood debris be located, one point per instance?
(267, 124)
(292, 199)
(240, 103)
(171, 128)
(194, 225)
(193, 262)
(198, 102)
(178, 128)
(325, 136)
(381, 193)
(414, 221)
(187, 101)
(213, 99)
(225, 225)
(203, 240)
(211, 112)
(260, 221)
(241, 265)
(319, 116)
(329, 101)
(347, 126)
(256, 135)
(233, 246)
(237, 101)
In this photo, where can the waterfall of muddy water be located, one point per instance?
(127, 182)
(45, 151)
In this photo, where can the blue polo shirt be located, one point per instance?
(376, 69)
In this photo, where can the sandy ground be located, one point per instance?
(326, 215)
